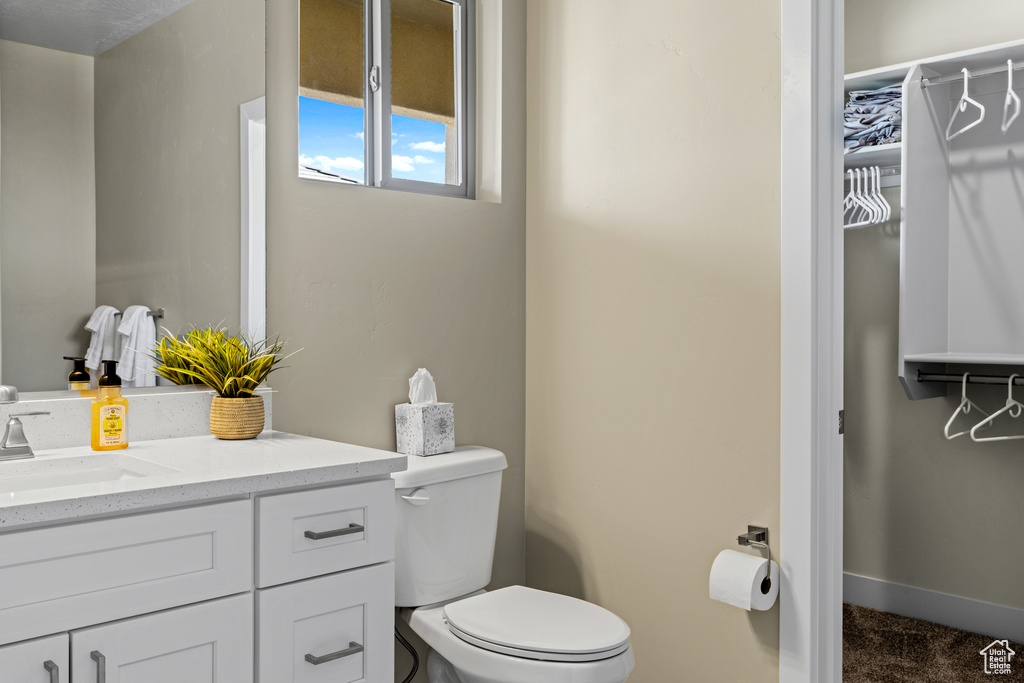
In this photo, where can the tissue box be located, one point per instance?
(425, 428)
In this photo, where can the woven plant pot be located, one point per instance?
(236, 418)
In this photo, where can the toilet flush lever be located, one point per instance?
(417, 497)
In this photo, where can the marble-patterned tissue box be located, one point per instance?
(425, 428)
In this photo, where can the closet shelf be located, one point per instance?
(966, 358)
(875, 155)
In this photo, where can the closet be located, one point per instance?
(933, 293)
(962, 218)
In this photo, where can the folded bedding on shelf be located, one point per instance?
(873, 117)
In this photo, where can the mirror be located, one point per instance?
(124, 171)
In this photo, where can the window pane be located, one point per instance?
(423, 86)
(331, 123)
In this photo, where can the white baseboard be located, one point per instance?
(954, 611)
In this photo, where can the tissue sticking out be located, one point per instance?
(422, 388)
(423, 426)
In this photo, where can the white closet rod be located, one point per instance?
(988, 70)
(884, 172)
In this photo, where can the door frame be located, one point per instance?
(811, 513)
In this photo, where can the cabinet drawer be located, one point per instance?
(60, 578)
(309, 533)
(342, 621)
(37, 661)
(210, 642)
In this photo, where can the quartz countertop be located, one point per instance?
(185, 470)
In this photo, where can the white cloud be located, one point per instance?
(358, 135)
(422, 160)
(436, 147)
(403, 164)
(327, 164)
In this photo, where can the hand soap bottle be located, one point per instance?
(79, 378)
(109, 412)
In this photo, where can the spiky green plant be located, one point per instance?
(233, 366)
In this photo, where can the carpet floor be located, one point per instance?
(879, 647)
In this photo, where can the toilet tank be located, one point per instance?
(445, 522)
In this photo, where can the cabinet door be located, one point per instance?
(36, 661)
(74, 575)
(206, 643)
(334, 629)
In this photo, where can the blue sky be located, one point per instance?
(331, 139)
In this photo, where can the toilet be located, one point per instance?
(445, 525)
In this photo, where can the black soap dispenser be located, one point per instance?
(79, 378)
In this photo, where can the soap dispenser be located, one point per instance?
(109, 412)
(79, 378)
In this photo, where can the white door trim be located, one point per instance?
(253, 145)
(810, 537)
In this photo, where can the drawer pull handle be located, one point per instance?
(54, 670)
(353, 648)
(350, 529)
(101, 666)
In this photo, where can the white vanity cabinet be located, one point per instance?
(205, 643)
(336, 627)
(235, 591)
(44, 660)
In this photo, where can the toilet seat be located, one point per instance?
(533, 624)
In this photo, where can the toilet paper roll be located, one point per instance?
(736, 579)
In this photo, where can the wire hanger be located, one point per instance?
(1011, 98)
(1013, 407)
(961, 106)
(965, 407)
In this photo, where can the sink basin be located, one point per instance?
(47, 473)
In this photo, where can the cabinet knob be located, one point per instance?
(53, 670)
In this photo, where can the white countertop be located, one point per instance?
(190, 469)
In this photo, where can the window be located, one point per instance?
(386, 93)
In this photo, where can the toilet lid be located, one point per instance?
(525, 622)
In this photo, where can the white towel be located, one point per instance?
(103, 345)
(138, 336)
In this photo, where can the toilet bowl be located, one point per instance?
(446, 522)
(456, 660)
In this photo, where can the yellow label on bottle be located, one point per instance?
(112, 425)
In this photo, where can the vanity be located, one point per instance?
(194, 559)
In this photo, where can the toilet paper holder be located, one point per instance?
(757, 536)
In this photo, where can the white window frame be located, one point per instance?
(377, 102)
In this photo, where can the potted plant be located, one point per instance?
(233, 366)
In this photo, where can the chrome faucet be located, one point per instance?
(14, 444)
(8, 393)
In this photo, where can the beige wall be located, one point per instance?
(48, 213)
(653, 311)
(167, 161)
(881, 32)
(904, 482)
(373, 284)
